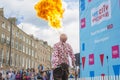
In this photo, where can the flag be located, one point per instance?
(83, 62)
(89, 0)
(116, 69)
(83, 23)
(82, 5)
(92, 74)
(91, 59)
(115, 51)
(101, 58)
(83, 46)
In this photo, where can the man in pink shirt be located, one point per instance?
(60, 58)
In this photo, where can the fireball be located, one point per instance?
(51, 11)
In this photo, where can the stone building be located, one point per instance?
(25, 50)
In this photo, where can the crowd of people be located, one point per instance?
(28, 74)
(24, 74)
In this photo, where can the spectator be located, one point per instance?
(40, 67)
(28, 74)
(18, 77)
(2, 72)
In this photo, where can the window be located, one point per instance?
(7, 57)
(36, 46)
(29, 42)
(17, 33)
(3, 25)
(24, 38)
(20, 61)
(2, 37)
(29, 51)
(26, 50)
(20, 47)
(16, 45)
(26, 63)
(21, 36)
(29, 63)
(23, 62)
(8, 40)
(1, 56)
(8, 27)
(32, 44)
(32, 64)
(23, 48)
(33, 53)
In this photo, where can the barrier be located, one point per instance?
(99, 78)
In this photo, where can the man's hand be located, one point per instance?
(52, 68)
(73, 64)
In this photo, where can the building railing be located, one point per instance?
(99, 78)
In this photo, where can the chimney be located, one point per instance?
(13, 20)
(1, 12)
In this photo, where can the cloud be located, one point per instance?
(39, 28)
(16, 8)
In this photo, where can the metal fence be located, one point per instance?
(99, 78)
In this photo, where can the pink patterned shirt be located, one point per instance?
(61, 53)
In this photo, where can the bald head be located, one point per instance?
(63, 37)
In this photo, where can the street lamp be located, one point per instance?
(107, 66)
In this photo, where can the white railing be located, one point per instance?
(99, 78)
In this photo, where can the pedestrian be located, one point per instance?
(40, 68)
(60, 59)
(32, 73)
(44, 76)
(1, 76)
(48, 74)
(7, 76)
(36, 74)
(28, 74)
(24, 76)
(18, 77)
(2, 71)
(11, 75)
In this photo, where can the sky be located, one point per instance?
(24, 11)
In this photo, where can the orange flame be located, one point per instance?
(50, 10)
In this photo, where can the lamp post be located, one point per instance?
(107, 66)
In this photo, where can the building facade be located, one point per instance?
(20, 50)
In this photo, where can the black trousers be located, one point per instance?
(62, 72)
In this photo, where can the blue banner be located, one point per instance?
(99, 34)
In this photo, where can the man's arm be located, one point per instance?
(72, 55)
(55, 56)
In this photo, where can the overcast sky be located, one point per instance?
(24, 10)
